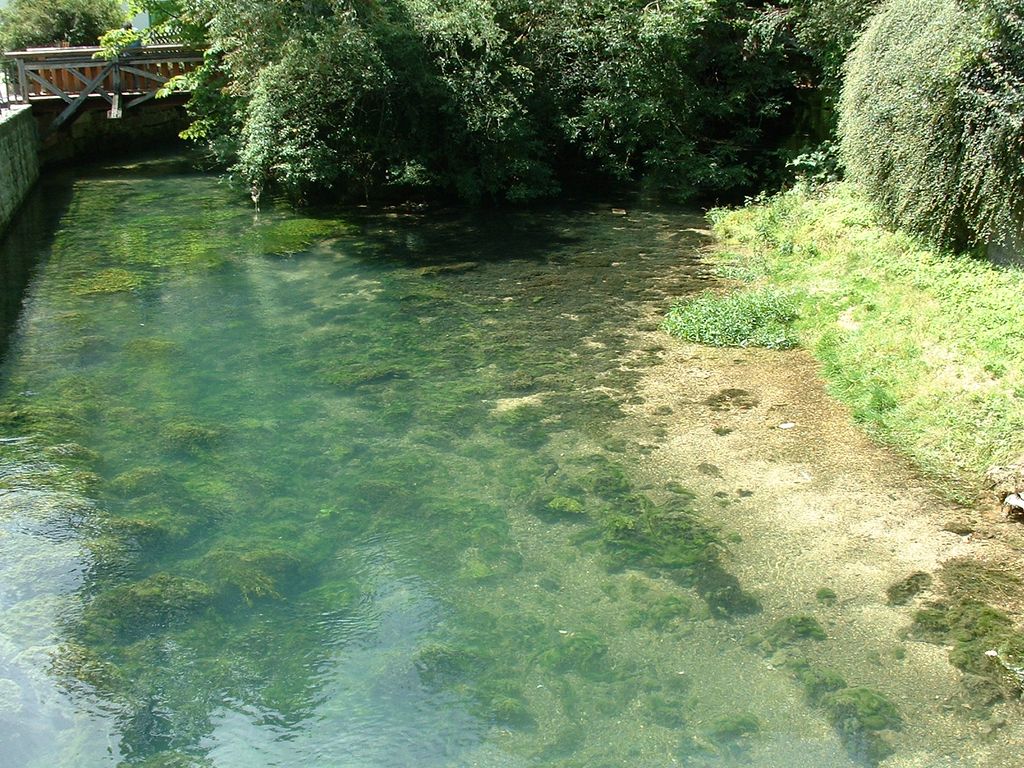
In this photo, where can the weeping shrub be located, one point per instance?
(932, 118)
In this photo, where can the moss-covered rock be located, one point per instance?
(859, 715)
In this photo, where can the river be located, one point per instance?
(362, 490)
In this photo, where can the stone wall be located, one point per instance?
(19, 160)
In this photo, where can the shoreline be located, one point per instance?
(812, 502)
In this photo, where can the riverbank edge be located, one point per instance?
(919, 345)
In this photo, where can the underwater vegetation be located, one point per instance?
(905, 590)
(355, 485)
(786, 632)
(984, 642)
(861, 716)
(140, 607)
(112, 280)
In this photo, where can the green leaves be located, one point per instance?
(489, 99)
(26, 23)
(760, 318)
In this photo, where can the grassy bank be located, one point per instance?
(926, 348)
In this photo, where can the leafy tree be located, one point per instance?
(26, 23)
(488, 99)
(932, 118)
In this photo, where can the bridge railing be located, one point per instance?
(73, 76)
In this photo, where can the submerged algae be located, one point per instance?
(315, 521)
(985, 642)
(149, 605)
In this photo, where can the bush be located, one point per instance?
(27, 23)
(932, 118)
(746, 319)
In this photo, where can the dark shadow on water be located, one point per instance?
(23, 248)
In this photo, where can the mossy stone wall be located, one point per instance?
(19, 160)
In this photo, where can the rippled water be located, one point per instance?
(295, 490)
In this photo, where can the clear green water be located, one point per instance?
(294, 491)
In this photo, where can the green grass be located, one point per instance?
(926, 348)
(760, 318)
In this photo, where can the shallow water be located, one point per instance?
(289, 490)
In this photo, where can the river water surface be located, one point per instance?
(293, 490)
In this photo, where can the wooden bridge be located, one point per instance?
(66, 80)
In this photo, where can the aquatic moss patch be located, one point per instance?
(147, 605)
(826, 596)
(968, 579)
(985, 641)
(672, 541)
(816, 681)
(190, 436)
(860, 715)
(789, 631)
(905, 590)
(288, 236)
(728, 730)
(760, 318)
(581, 652)
(113, 280)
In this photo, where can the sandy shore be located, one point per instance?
(813, 503)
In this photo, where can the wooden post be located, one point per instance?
(115, 106)
(22, 82)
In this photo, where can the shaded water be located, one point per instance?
(295, 491)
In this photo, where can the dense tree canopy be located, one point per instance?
(933, 118)
(25, 23)
(492, 99)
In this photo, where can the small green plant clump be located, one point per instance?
(790, 631)
(826, 596)
(760, 318)
(729, 730)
